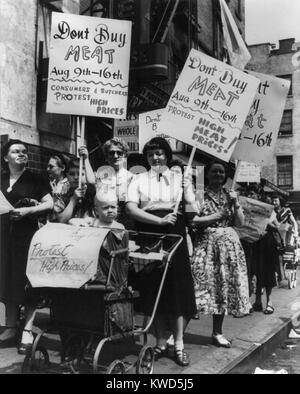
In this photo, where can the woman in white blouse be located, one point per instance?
(151, 201)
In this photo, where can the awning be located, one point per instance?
(273, 187)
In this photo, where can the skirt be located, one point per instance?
(177, 297)
(220, 273)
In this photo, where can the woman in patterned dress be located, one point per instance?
(218, 265)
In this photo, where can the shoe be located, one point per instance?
(269, 310)
(257, 307)
(8, 336)
(159, 352)
(25, 347)
(181, 357)
(220, 341)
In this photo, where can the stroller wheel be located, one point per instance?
(145, 361)
(117, 367)
(72, 353)
(38, 362)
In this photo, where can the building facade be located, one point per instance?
(284, 169)
(163, 34)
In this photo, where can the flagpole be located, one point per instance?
(187, 169)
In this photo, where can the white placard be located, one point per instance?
(259, 135)
(150, 127)
(61, 255)
(88, 66)
(257, 215)
(209, 105)
(248, 172)
(5, 206)
(128, 131)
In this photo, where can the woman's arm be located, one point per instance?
(206, 221)
(67, 213)
(89, 173)
(138, 214)
(45, 206)
(239, 217)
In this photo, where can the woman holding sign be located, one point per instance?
(114, 175)
(29, 194)
(218, 266)
(151, 200)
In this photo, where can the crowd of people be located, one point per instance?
(214, 277)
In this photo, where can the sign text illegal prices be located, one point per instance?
(209, 103)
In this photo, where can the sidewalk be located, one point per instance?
(253, 337)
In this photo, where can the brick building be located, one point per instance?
(163, 33)
(284, 170)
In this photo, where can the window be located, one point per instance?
(289, 78)
(284, 171)
(286, 126)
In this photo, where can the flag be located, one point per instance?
(238, 53)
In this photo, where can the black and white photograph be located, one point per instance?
(150, 189)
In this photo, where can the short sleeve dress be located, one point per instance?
(16, 235)
(218, 265)
(158, 195)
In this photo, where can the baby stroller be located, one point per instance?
(95, 321)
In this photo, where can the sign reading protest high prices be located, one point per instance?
(150, 127)
(257, 215)
(88, 66)
(61, 255)
(259, 135)
(209, 105)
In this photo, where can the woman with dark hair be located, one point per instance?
(218, 266)
(57, 169)
(151, 201)
(80, 203)
(29, 194)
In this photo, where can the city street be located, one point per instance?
(254, 337)
(150, 162)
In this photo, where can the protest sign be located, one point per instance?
(5, 206)
(150, 127)
(61, 255)
(248, 172)
(259, 135)
(128, 130)
(257, 215)
(88, 66)
(209, 105)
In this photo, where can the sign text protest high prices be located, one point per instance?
(209, 105)
(259, 135)
(88, 66)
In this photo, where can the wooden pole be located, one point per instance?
(236, 174)
(187, 169)
(82, 135)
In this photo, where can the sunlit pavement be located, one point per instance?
(254, 338)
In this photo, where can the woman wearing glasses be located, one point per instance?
(29, 194)
(114, 175)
